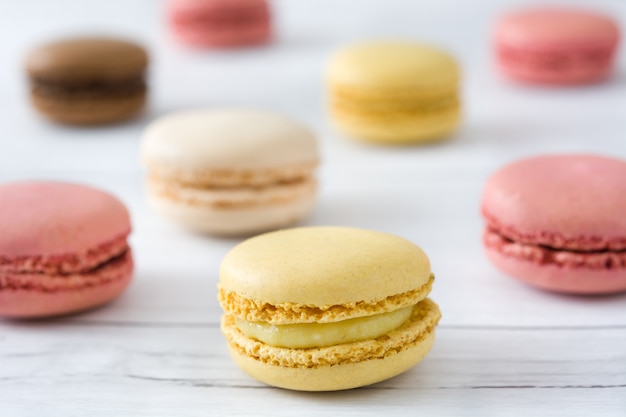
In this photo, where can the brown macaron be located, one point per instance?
(88, 81)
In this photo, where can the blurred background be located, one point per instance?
(429, 194)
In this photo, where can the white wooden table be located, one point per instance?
(502, 348)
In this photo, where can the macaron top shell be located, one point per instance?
(193, 8)
(55, 219)
(548, 28)
(567, 201)
(80, 59)
(323, 266)
(395, 65)
(228, 139)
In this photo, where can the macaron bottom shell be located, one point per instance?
(398, 128)
(528, 70)
(338, 367)
(572, 280)
(24, 296)
(89, 110)
(235, 221)
(334, 378)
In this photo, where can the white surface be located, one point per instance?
(502, 348)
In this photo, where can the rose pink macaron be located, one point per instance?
(63, 248)
(556, 46)
(558, 222)
(220, 23)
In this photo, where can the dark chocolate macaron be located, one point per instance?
(88, 81)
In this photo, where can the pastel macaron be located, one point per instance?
(220, 23)
(63, 248)
(556, 46)
(231, 172)
(326, 308)
(88, 80)
(394, 92)
(557, 222)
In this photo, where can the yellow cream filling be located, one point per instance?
(310, 335)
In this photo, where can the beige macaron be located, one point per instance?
(230, 172)
(327, 308)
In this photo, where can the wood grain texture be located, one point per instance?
(187, 368)
(502, 349)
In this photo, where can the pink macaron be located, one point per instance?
(220, 23)
(556, 46)
(557, 222)
(63, 248)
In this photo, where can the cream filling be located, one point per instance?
(313, 335)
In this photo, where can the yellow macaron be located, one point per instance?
(327, 308)
(394, 92)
